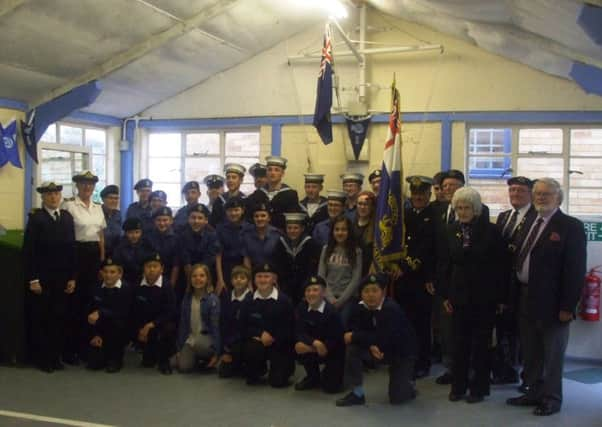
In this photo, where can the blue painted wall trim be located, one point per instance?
(13, 105)
(127, 168)
(588, 77)
(94, 119)
(446, 144)
(276, 139)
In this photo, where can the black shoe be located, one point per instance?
(444, 379)
(523, 400)
(524, 388)
(71, 359)
(546, 408)
(307, 383)
(474, 398)
(351, 399)
(165, 368)
(113, 367)
(455, 397)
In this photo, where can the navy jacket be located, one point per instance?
(131, 258)
(273, 316)
(313, 325)
(210, 320)
(199, 247)
(113, 231)
(295, 264)
(153, 304)
(230, 324)
(113, 305)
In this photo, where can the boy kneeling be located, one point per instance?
(107, 320)
(266, 323)
(379, 330)
(319, 335)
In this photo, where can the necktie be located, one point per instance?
(56, 215)
(510, 225)
(522, 256)
(452, 216)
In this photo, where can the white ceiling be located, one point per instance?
(48, 44)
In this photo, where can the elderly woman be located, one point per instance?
(89, 222)
(476, 265)
(363, 227)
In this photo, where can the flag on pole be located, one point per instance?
(322, 120)
(9, 150)
(389, 233)
(29, 135)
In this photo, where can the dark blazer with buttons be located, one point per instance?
(475, 275)
(557, 269)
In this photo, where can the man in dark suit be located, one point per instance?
(511, 224)
(50, 268)
(550, 270)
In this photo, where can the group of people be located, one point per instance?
(250, 284)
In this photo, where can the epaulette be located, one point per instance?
(34, 211)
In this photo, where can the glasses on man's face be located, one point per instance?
(545, 194)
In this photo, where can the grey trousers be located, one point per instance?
(543, 353)
(187, 357)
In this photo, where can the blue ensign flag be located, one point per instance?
(322, 119)
(9, 150)
(389, 232)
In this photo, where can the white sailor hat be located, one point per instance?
(276, 161)
(235, 168)
(338, 195)
(352, 177)
(295, 217)
(316, 178)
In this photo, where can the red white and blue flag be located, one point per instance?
(389, 233)
(322, 120)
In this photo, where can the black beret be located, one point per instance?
(190, 185)
(375, 174)
(164, 211)
(258, 170)
(143, 183)
(152, 256)
(110, 261)
(199, 208)
(108, 190)
(520, 180)
(159, 194)
(379, 279)
(264, 268)
(315, 280)
(214, 181)
(48, 187)
(261, 207)
(132, 224)
(234, 202)
(455, 174)
(85, 176)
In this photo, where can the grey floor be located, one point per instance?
(142, 397)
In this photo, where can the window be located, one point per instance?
(68, 148)
(175, 158)
(569, 154)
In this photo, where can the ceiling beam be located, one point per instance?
(140, 49)
(196, 30)
(9, 6)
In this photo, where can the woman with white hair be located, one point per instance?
(475, 264)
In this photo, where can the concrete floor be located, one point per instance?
(143, 397)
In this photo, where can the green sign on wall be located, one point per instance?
(593, 231)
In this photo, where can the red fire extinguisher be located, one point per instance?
(590, 297)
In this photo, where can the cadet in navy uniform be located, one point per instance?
(163, 240)
(259, 241)
(281, 197)
(241, 293)
(141, 209)
(132, 251)
(513, 224)
(198, 242)
(374, 179)
(418, 269)
(192, 194)
(107, 320)
(215, 188)
(50, 269)
(352, 186)
(110, 207)
(319, 339)
(314, 205)
(235, 174)
(153, 316)
(378, 330)
(229, 234)
(266, 326)
(335, 206)
(258, 172)
(89, 222)
(296, 257)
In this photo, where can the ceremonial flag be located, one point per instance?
(389, 232)
(322, 120)
(29, 136)
(9, 151)
(358, 128)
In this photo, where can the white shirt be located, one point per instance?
(51, 212)
(158, 283)
(521, 214)
(320, 308)
(116, 285)
(380, 306)
(273, 295)
(523, 274)
(89, 220)
(312, 208)
(241, 297)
